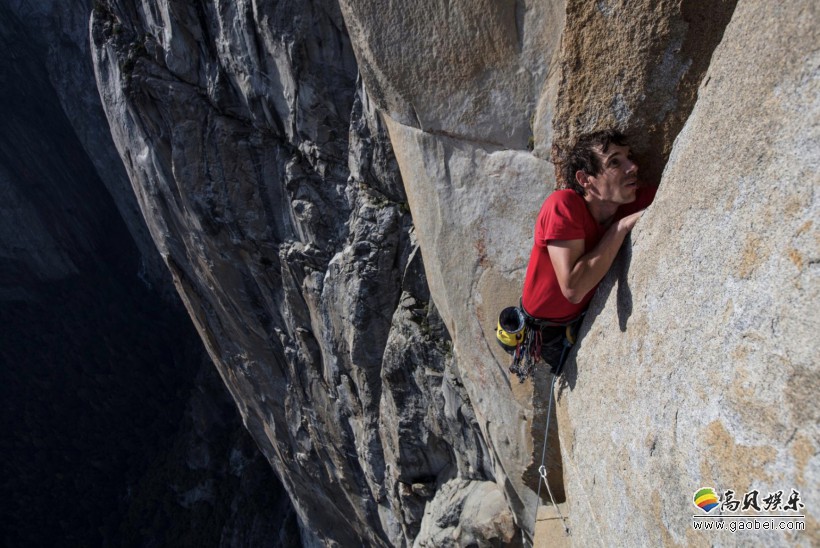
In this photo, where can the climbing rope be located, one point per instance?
(522, 366)
(542, 470)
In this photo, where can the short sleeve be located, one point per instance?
(561, 218)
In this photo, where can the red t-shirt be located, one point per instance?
(565, 216)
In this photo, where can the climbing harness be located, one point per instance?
(522, 336)
(542, 470)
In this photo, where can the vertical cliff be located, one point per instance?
(569, 68)
(270, 188)
(702, 345)
(116, 430)
(344, 194)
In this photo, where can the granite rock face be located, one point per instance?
(293, 177)
(480, 198)
(268, 183)
(464, 69)
(635, 66)
(703, 348)
(471, 232)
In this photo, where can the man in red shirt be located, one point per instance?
(580, 230)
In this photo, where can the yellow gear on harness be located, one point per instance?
(511, 329)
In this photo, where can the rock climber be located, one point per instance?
(578, 234)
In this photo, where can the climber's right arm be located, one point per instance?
(578, 272)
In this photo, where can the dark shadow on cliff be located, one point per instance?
(624, 294)
(617, 275)
(110, 437)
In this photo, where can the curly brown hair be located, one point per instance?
(582, 157)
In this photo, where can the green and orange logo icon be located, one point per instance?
(706, 499)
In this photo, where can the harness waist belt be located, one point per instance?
(538, 322)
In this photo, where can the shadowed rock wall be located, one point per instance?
(58, 31)
(113, 430)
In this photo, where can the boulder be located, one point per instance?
(467, 514)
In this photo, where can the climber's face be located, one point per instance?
(617, 183)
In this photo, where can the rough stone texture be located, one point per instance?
(262, 165)
(700, 368)
(428, 428)
(270, 188)
(468, 69)
(467, 514)
(635, 66)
